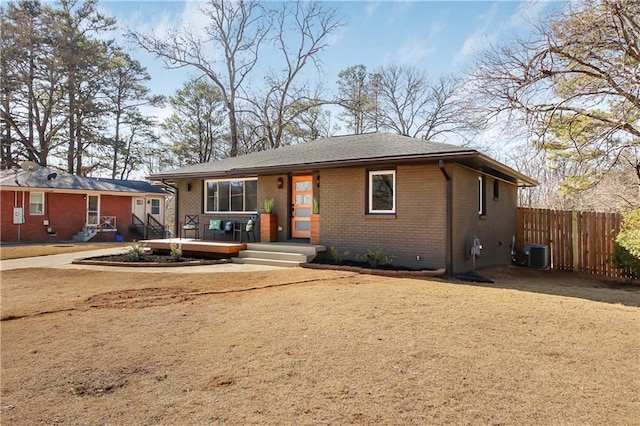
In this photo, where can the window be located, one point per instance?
(155, 206)
(36, 203)
(482, 200)
(496, 189)
(231, 195)
(382, 191)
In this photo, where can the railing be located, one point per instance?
(139, 225)
(108, 223)
(155, 226)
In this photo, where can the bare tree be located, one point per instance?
(577, 84)
(237, 30)
(404, 100)
(302, 33)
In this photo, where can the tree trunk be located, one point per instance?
(72, 124)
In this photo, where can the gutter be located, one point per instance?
(449, 220)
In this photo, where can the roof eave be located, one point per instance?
(254, 171)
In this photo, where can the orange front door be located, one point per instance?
(302, 199)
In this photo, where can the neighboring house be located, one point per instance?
(43, 205)
(419, 201)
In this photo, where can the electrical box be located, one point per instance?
(18, 215)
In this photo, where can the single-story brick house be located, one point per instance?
(45, 206)
(419, 201)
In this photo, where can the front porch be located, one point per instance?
(274, 254)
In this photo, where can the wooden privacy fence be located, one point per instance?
(578, 241)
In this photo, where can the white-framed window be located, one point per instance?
(482, 196)
(36, 203)
(155, 206)
(382, 191)
(238, 195)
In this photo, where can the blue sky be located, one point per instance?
(440, 37)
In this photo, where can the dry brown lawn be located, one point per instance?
(316, 347)
(19, 251)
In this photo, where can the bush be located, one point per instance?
(626, 254)
(629, 236)
(338, 257)
(176, 251)
(377, 258)
(137, 251)
(626, 261)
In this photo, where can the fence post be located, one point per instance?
(575, 240)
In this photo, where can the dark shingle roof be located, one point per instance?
(334, 151)
(64, 181)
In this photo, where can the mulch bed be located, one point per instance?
(147, 260)
(365, 268)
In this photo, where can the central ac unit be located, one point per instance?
(536, 256)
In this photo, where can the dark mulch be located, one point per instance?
(361, 264)
(147, 258)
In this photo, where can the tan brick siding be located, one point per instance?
(494, 230)
(268, 188)
(417, 228)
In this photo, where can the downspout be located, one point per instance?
(449, 220)
(175, 203)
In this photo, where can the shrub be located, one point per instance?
(136, 251)
(338, 257)
(316, 206)
(176, 251)
(377, 258)
(626, 261)
(629, 236)
(626, 254)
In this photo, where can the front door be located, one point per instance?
(139, 208)
(93, 210)
(302, 198)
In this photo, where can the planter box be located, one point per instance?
(268, 227)
(315, 229)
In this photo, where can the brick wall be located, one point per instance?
(66, 214)
(417, 228)
(495, 230)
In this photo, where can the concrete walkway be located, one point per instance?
(63, 261)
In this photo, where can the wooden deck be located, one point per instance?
(190, 245)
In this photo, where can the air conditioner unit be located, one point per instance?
(536, 256)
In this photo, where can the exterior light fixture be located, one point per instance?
(280, 183)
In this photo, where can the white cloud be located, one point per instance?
(414, 51)
(479, 38)
(372, 8)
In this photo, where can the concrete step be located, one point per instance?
(84, 236)
(274, 255)
(306, 249)
(267, 262)
(278, 254)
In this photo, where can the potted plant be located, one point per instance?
(315, 223)
(268, 223)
